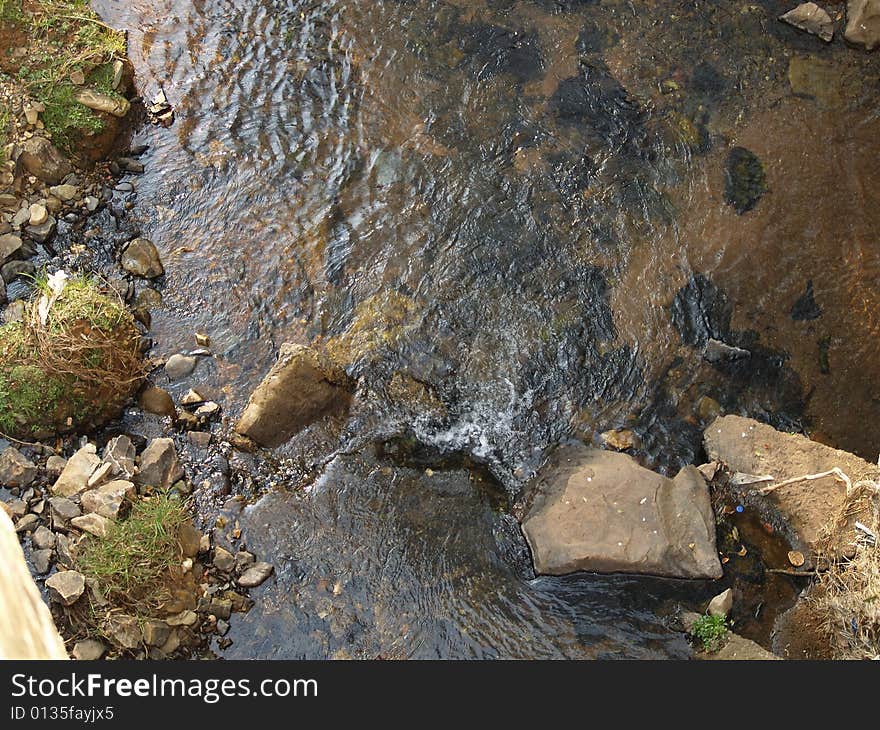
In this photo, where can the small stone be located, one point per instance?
(191, 398)
(38, 214)
(205, 544)
(202, 340)
(92, 523)
(796, 558)
(15, 469)
(124, 631)
(722, 603)
(75, 476)
(255, 575)
(43, 232)
(184, 618)
(12, 270)
(66, 587)
(199, 439)
(100, 475)
(179, 366)
(243, 561)
(42, 560)
(17, 508)
(63, 510)
(43, 538)
(77, 77)
(10, 245)
(55, 465)
(157, 401)
(92, 203)
(863, 23)
(130, 165)
(21, 218)
(159, 465)
(219, 607)
(223, 560)
(115, 105)
(156, 632)
(619, 439)
(27, 523)
(190, 539)
(222, 627)
(63, 550)
(811, 18)
(110, 500)
(64, 192)
(42, 160)
(88, 650)
(141, 258)
(120, 453)
(208, 410)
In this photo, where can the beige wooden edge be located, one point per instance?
(27, 630)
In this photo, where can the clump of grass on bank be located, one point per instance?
(133, 565)
(75, 370)
(4, 128)
(710, 632)
(64, 36)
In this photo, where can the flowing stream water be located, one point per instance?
(515, 222)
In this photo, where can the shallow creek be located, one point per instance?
(516, 222)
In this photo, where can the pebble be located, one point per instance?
(38, 214)
(42, 560)
(66, 587)
(179, 366)
(255, 575)
(88, 650)
(43, 538)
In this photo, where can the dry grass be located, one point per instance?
(846, 597)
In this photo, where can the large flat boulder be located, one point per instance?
(600, 511)
(819, 516)
(300, 388)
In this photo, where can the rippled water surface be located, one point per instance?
(512, 221)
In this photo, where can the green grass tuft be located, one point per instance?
(710, 632)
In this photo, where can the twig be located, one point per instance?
(835, 472)
(789, 571)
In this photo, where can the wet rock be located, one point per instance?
(299, 389)
(744, 180)
(716, 351)
(223, 560)
(43, 538)
(92, 523)
(807, 507)
(159, 465)
(863, 23)
(255, 575)
(219, 607)
(124, 631)
(721, 604)
(619, 439)
(66, 587)
(600, 511)
(11, 270)
(179, 366)
(75, 476)
(805, 308)
(88, 650)
(115, 105)
(130, 165)
(141, 258)
(157, 401)
(15, 469)
(812, 19)
(42, 160)
(63, 510)
(10, 245)
(110, 500)
(42, 560)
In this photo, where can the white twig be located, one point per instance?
(836, 472)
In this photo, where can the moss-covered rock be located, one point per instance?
(73, 370)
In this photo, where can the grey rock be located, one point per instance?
(64, 192)
(42, 560)
(42, 232)
(55, 465)
(92, 523)
(219, 607)
(66, 587)
(92, 203)
(120, 454)
(115, 105)
(124, 631)
(15, 469)
(141, 258)
(179, 366)
(43, 538)
(721, 604)
(156, 632)
(42, 160)
(812, 19)
(243, 561)
(600, 511)
(109, 500)
(863, 23)
(38, 214)
(300, 388)
(75, 476)
(27, 523)
(255, 575)
(11, 270)
(10, 245)
(159, 465)
(20, 219)
(88, 650)
(18, 508)
(63, 550)
(130, 165)
(223, 560)
(184, 618)
(63, 510)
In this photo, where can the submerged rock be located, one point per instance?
(745, 181)
(301, 388)
(157, 401)
(863, 23)
(600, 511)
(807, 507)
(812, 19)
(141, 258)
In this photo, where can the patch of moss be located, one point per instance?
(74, 370)
(710, 632)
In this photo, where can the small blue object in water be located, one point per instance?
(739, 508)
